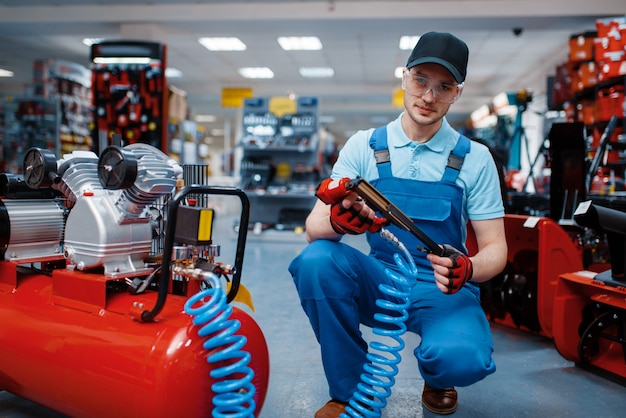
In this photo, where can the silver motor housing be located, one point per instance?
(107, 227)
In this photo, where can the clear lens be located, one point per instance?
(421, 85)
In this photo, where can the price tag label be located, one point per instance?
(281, 106)
(234, 96)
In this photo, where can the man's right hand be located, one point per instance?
(333, 191)
(352, 220)
(348, 213)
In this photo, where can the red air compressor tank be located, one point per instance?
(73, 354)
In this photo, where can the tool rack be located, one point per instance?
(129, 93)
(280, 166)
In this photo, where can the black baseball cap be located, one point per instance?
(444, 49)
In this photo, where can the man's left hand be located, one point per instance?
(452, 269)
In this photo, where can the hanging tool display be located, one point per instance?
(280, 165)
(129, 93)
(82, 296)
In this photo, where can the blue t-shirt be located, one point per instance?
(478, 177)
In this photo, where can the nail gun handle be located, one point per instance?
(377, 201)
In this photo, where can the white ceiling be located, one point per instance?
(360, 40)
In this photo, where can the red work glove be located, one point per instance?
(332, 191)
(461, 271)
(346, 220)
(350, 221)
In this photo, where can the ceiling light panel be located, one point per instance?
(317, 72)
(300, 43)
(408, 42)
(256, 72)
(223, 44)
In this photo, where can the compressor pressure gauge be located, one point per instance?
(117, 168)
(40, 168)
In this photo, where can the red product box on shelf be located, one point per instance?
(612, 69)
(609, 102)
(581, 46)
(586, 112)
(587, 75)
(562, 86)
(570, 111)
(576, 84)
(610, 26)
(608, 48)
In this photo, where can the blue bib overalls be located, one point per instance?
(338, 286)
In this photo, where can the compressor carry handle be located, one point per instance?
(168, 245)
(377, 201)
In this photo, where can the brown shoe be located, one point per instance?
(440, 401)
(332, 409)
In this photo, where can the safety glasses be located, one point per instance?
(420, 85)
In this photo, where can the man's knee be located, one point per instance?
(457, 362)
(321, 270)
(316, 256)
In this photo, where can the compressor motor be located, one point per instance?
(100, 217)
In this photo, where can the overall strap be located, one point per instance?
(456, 158)
(378, 142)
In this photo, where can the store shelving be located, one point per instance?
(590, 87)
(280, 167)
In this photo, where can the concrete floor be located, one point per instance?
(532, 379)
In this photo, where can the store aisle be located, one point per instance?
(532, 379)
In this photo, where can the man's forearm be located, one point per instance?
(318, 224)
(489, 262)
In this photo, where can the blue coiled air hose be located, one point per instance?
(379, 374)
(233, 397)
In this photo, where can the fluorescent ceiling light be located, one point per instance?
(300, 43)
(6, 73)
(398, 72)
(223, 44)
(205, 118)
(122, 60)
(408, 42)
(256, 72)
(171, 72)
(317, 72)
